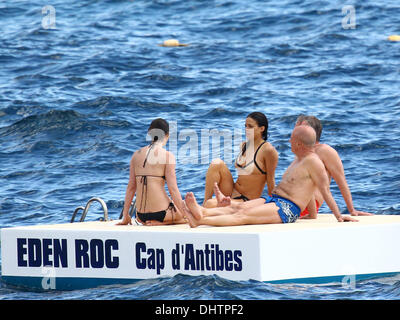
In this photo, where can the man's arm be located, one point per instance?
(312, 210)
(334, 165)
(320, 178)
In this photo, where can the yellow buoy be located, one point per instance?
(394, 37)
(172, 43)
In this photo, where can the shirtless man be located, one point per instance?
(305, 174)
(334, 168)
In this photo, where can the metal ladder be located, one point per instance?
(132, 210)
(86, 209)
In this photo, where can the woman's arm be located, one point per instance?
(170, 177)
(129, 194)
(271, 162)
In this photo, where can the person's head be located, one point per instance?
(159, 130)
(258, 122)
(311, 121)
(303, 139)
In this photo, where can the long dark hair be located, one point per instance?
(158, 129)
(262, 121)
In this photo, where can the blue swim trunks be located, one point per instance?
(288, 211)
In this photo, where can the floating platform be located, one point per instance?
(89, 254)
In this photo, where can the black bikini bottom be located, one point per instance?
(159, 215)
(242, 197)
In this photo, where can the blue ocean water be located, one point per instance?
(80, 82)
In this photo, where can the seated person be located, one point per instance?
(334, 168)
(255, 164)
(151, 167)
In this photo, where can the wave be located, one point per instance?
(123, 103)
(62, 121)
(218, 112)
(167, 81)
(59, 124)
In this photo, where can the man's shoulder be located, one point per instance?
(312, 157)
(324, 149)
(312, 160)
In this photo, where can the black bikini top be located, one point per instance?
(143, 179)
(145, 161)
(254, 160)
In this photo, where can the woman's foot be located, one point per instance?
(222, 200)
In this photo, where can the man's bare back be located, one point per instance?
(333, 165)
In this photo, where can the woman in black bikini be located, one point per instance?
(150, 167)
(256, 164)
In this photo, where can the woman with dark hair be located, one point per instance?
(150, 167)
(256, 164)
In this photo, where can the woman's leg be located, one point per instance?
(218, 172)
(221, 200)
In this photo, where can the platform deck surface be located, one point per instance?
(323, 221)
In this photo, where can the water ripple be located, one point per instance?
(75, 102)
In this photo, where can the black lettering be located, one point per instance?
(111, 262)
(212, 258)
(228, 260)
(151, 261)
(219, 258)
(21, 252)
(140, 263)
(160, 260)
(60, 253)
(207, 253)
(96, 253)
(34, 252)
(189, 258)
(47, 252)
(236, 256)
(81, 253)
(176, 258)
(200, 260)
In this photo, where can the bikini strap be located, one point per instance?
(255, 155)
(149, 175)
(143, 180)
(254, 160)
(242, 152)
(172, 207)
(147, 154)
(145, 161)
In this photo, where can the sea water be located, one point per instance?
(80, 81)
